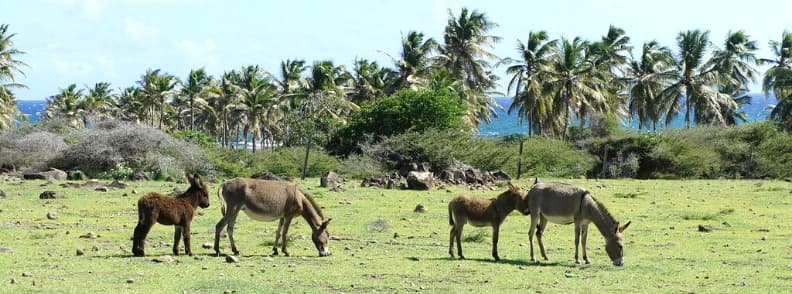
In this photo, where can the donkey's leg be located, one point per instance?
(231, 222)
(578, 229)
(451, 242)
(277, 237)
(139, 238)
(540, 233)
(284, 237)
(459, 239)
(495, 232)
(177, 234)
(531, 231)
(219, 229)
(186, 235)
(584, 236)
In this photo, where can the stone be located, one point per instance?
(139, 176)
(164, 259)
(207, 245)
(330, 179)
(2, 194)
(77, 175)
(130, 281)
(419, 208)
(80, 252)
(705, 228)
(54, 174)
(102, 189)
(117, 185)
(52, 215)
(231, 259)
(420, 180)
(267, 176)
(48, 195)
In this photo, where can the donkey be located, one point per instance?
(265, 200)
(565, 204)
(482, 212)
(167, 210)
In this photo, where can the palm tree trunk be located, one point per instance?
(192, 115)
(307, 151)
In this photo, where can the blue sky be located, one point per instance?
(89, 41)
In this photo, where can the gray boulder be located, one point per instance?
(420, 180)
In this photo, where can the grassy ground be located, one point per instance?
(382, 245)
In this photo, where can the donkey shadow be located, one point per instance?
(518, 262)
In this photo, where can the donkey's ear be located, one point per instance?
(324, 224)
(624, 227)
(513, 188)
(197, 180)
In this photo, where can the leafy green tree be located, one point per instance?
(9, 67)
(574, 86)
(646, 78)
(414, 63)
(465, 53)
(156, 88)
(369, 81)
(695, 82)
(99, 102)
(66, 105)
(406, 110)
(778, 80)
(529, 101)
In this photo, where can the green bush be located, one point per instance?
(775, 155)
(285, 161)
(406, 110)
(555, 158)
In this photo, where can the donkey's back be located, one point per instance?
(261, 199)
(553, 199)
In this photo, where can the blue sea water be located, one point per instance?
(505, 124)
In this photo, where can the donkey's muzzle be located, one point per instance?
(619, 262)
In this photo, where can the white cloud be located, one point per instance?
(140, 31)
(88, 8)
(201, 52)
(71, 68)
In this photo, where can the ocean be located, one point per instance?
(505, 124)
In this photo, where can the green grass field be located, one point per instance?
(382, 245)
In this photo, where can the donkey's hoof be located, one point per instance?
(461, 256)
(496, 258)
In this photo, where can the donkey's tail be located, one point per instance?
(221, 199)
(450, 215)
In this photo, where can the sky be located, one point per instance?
(89, 41)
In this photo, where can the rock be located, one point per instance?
(93, 184)
(27, 274)
(419, 208)
(338, 188)
(705, 228)
(77, 175)
(134, 191)
(89, 235)
(52, 215)
(330, 179)
(139, 176)
(102, 189)
(70, 185)
(5, 249)
(13, 280)
(207, 245)
(130, 281)
(231, 259)
(117, 185)
(268, 176)
(387, 181)
(80, 252)
(54, 174)
(2, 194)
(420, 180)
(164, 259)
(95, 248)
(48, 195)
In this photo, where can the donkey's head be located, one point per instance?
(614, 245)
(320, 238)
(199, 190)
(518, 195)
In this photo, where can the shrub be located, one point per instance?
(406, 110)
(775, 155)
(112, 144)
(359, 166)
(29, 149)
(285, 161)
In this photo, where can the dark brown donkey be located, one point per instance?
(168, 210)
(265, 200)
(566, 204)
(482, 212)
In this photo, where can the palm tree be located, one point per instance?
(130, 105)
(646, 78)
(291, 79)
(196, 90)
(574, 86)
(98, 102)
(778, 80)
(156, 89)
(66, 105)
(369, 81)
(465, 53)
(737, 60)
(695, 82)
(609, 57)
(414, 63)
(529, 102)
(9, 66)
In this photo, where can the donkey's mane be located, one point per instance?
(602, 208)
(313, 203)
